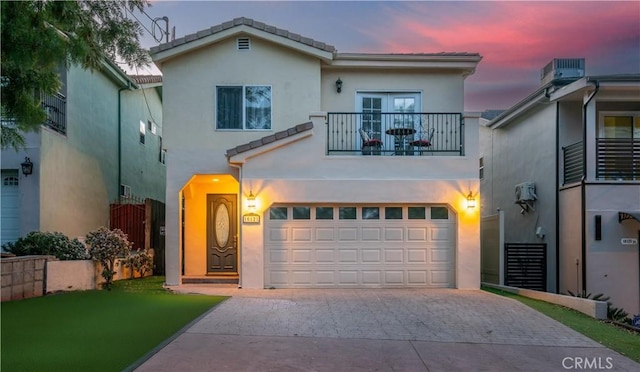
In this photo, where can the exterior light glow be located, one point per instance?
(251, 202)
(471, 201)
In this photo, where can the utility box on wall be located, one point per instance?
(526, 192)
(525, 196)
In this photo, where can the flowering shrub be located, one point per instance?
(140, 261)
(105, 246)
(48, 243)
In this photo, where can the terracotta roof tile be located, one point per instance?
(270, 139)
(247, 22)
(146, 79)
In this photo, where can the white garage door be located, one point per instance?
(359, 246)
(10, 228)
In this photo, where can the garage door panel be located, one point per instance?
(325, 234)
(417, 234)
(301, 256)
(440, 234)
(301, 234)
(440, 255)
(417, 277)
(302, 277)
(348, 277)
(394, 234)
(325, 255)
(279, 234)
(371, 277)
(327, 277)
(355, 253)
(417, 256)
(393, 255)
(276, 256)
(440, 277)
(394, 277)
(371, 256)
(348, 234)
(371, 233)
(348, 256)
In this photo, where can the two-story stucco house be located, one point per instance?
(102, 138)
(292, 165)
(575, 143)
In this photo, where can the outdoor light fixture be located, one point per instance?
(251, 201)
(471, 201)
(27, 166)
(339, 85)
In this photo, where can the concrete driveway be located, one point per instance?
(376, 330)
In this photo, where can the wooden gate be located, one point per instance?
(128, 215)
(526, 265)
(143, 222)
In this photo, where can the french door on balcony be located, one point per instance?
(372, 104)
(618, 146)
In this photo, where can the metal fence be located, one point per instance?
(526, 265)
(56, 108)
(618, 158)
(404, 134)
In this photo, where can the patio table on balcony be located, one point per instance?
(400, 135)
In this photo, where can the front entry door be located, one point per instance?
(222, 239)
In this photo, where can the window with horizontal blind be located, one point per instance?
(243, 107)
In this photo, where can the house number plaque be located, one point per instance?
(251, 218)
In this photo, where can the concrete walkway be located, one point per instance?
(377, 330)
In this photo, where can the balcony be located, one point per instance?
(55, 106)
(395, 134)
(616, 159)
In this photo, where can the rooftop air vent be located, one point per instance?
(244, 43)
(562, 68)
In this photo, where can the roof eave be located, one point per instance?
(193, 43)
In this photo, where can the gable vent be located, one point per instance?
(244, 43)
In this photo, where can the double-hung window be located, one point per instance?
(243, 107)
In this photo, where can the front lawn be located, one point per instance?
(615, 338)
(94, 330)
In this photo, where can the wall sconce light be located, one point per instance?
(471, 201)
(27, 166)
(251, 202)
(339, 85)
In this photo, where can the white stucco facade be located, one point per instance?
(293, 168)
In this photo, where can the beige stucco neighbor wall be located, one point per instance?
(71, 275)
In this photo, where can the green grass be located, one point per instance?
(94, 330)
(616, 338)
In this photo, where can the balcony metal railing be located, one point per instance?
(573, 160)
(56, 108)
(618, 158)
(400, 134)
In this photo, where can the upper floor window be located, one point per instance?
(620, 125)
(143, 132)
(243, 107)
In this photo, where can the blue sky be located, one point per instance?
(515, 38)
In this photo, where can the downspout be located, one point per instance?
(238, 219)
(557, 197)
(120, 135)
(583, 190)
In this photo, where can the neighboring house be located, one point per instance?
(292, 165)
(574, 142)
(102, 138)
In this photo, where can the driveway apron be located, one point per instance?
(411, 329)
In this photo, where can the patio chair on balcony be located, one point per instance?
(424, 141)
(370, 146)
